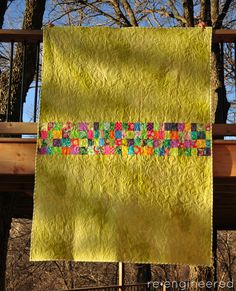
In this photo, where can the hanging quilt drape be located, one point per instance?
(124, 160)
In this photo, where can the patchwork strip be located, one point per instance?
(124, 138)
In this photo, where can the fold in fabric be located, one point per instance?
(124, 158)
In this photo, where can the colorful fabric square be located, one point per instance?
(124, 162)
(136, 138)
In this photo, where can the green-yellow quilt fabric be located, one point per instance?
(124, 160)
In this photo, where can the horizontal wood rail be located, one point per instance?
(17, 155)
(18, 35)
(224, 130)
(224, 35)
(18, 128)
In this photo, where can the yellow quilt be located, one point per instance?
(124, 163)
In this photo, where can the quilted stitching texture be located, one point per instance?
(133, 208)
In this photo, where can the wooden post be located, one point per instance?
(5, 226)
(121, 276)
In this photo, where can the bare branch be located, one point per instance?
(130, 13)
(119, 13)
(165, 13)
(95, 8)
(175, 11)
(188, 12)
(156, 20)
(205, 12)
(214, 11)
(222, 15)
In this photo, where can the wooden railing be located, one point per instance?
(19, 35)
(17, 154)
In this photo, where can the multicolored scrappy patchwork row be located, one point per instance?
(125, 138)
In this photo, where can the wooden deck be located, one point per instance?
(17, 165)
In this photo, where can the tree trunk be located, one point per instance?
(218, 86)
(33, 17)
(3, 8)
(5, 226)
(214, 11)
(205, 12)
(220, 104)
(188, 12)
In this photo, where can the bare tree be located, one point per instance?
(227, 255)
(33, 18)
